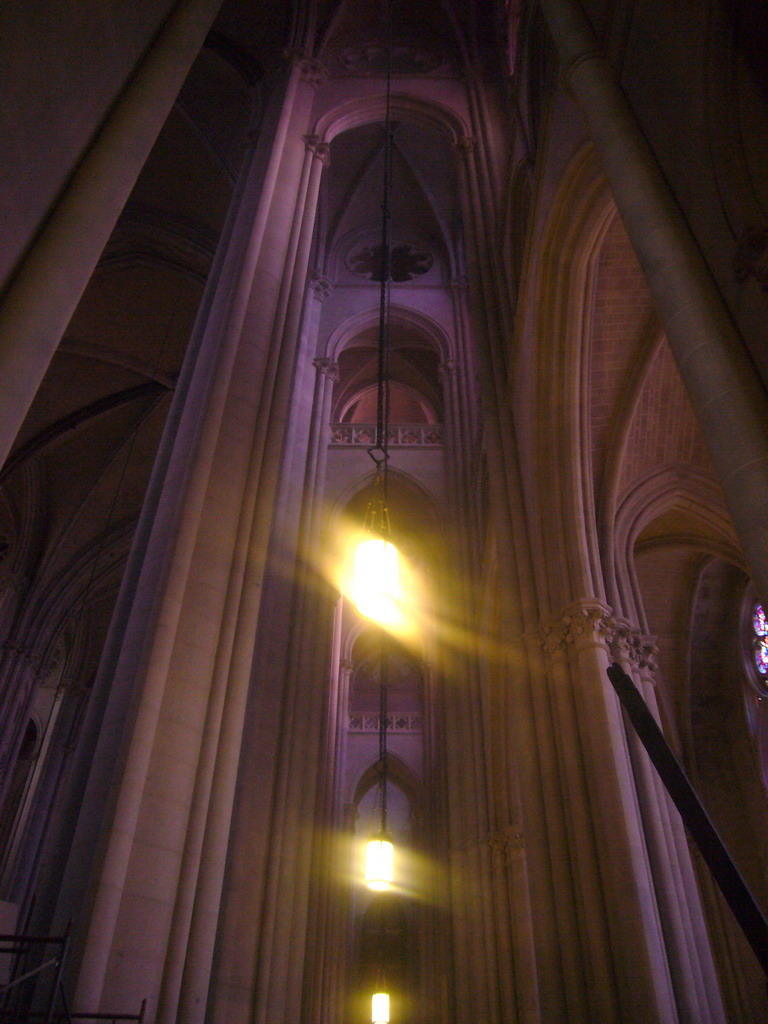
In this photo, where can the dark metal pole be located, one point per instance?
(733, 887)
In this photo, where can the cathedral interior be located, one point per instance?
(191, 705)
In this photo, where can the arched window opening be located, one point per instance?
(404, 736)
(404, 679)
(387, 953)
(415, 391)
(760, 640)
(405, 406)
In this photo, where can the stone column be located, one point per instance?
(319, 288)
(327, 375)
(520, 771)
(44, 292)
(270, 934)
(234, 677)
(680, 909)
(477, 956)
(726, 394)
(185, 655)
(31, 864)
(458, 440)
(604, 887)
(20, 675)
(329, 946)
(620, 860)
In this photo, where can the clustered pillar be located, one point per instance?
(189, 662)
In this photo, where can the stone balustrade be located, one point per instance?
(417, 435)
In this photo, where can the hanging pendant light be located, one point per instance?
(375, 586)
(380, 1008)
(379, 863)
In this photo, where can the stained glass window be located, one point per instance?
(760, 639)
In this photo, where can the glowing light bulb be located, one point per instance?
(380, 1008)
(375, 588)
(379, 858)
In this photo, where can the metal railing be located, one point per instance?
(32, 959)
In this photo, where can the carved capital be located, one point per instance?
(319, 149)
(506, 845)
(313, 71)
(465, 144)
(310, 70)
(320, 285)
(446, 370)
(22, 654)
(584, 622)
(751, 256)
(13, 582)
(329, 369)
(590, 622)
(627, 644)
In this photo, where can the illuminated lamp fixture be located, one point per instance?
(375, 588)
(380, 1008)
(379, 863)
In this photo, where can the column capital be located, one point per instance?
(327, 367)
(22, 654)
(320, 285)
(751, 255)
(310, 70)
(587, 622)
(506, 845)
(447, 369)
(630, 645)
(15, 582)
(465, 144)
(320, 149)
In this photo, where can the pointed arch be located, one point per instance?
(398, 773)
(580, 216)
(671, 488)
(434, 334)
(363, 110)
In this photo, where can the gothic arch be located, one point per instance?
(350, 501)
(344, 334)
(399, 773)
(607, 494)
(404, 107)
(517, 214)
(670, 488)
(580, 216)
(93, 573)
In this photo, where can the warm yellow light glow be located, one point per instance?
(375, 588)
(380, 1008)
(379, 860)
